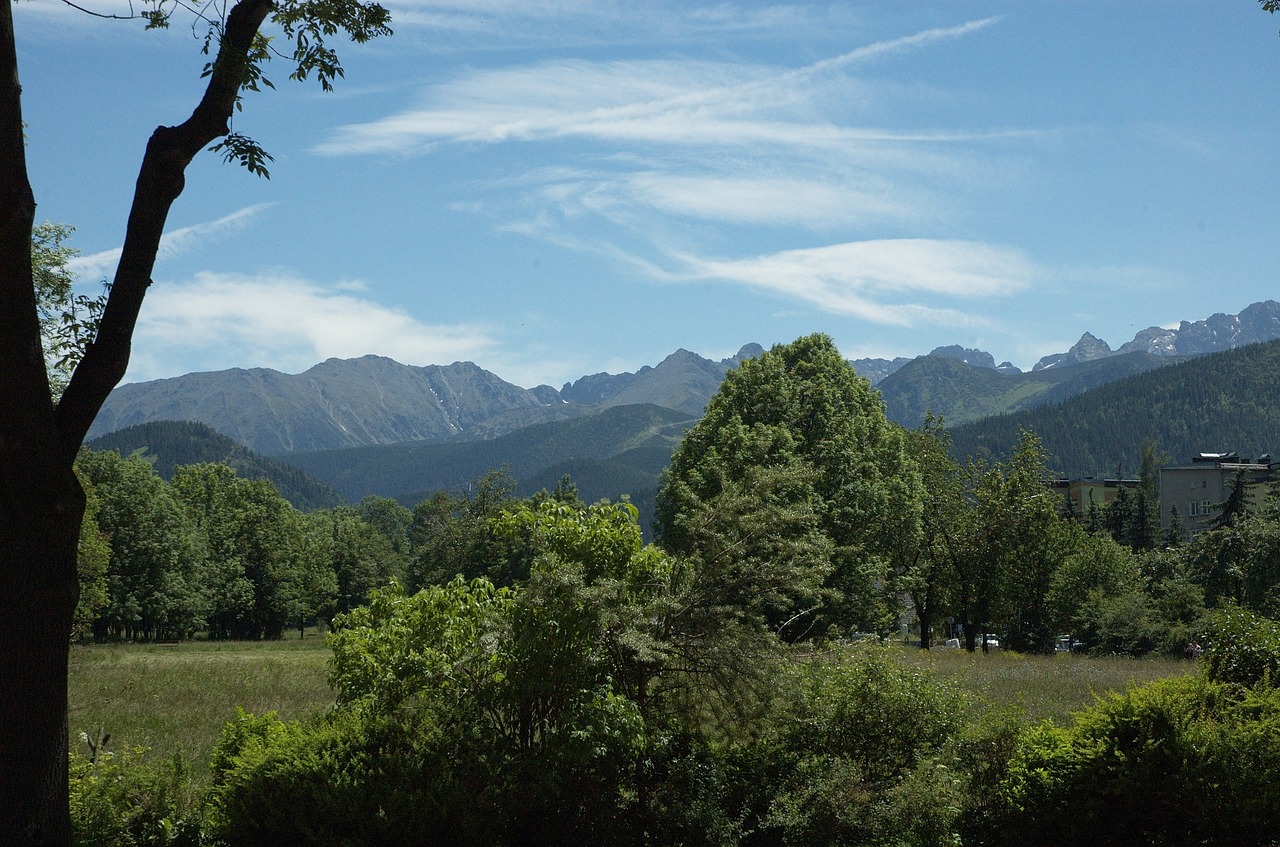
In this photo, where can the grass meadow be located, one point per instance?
(174, 698)
(1041, 687)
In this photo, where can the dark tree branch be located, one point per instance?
(27, 405)
(160, 181)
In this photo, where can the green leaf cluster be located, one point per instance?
(796, 441)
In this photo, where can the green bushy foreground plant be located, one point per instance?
(118, 800)
(1182, 761)
(620, 696)
(857, 747)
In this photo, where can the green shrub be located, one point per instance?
(1182, 761)
(350, 778)
(863, 706)
(119, 799)
(860, 733)
(1242, 647)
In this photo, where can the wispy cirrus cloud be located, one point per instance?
(173, 243)
(728, 146)
(878, 281)
(653, 101)
(285, 322)
(518, 23)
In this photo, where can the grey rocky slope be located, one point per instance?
(374, 400)
(1255, 323)
(337, 403)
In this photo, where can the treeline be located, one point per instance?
(208, 553)
(1224, 401)
(211, 553)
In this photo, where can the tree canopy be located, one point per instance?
(795, 466)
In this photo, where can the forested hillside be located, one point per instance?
(169, 444)
(960, 393)
(621, 446)
(1220, 402)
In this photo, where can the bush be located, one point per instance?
(119, 799)
(350, 778)
(1182, 761)
(860, 734)
(1242, 647)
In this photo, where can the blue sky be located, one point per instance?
(557, 188)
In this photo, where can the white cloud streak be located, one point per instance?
(736, 145)
(671, 102)
(173, 243)
(284, 322)
(869, 279)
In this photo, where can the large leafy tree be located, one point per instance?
(1011, 544)
(41, 501)
(929, 573)
(796, 444)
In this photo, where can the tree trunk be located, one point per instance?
(40, 511)
(41, 505)
(924, 614)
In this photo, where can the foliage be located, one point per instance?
(93, 557)
(801, 409)
(1181, 761)
(929, 574)
(252, 538)
(1009, 544)
(1240, 562)
(359, 557)
(119, 799)
(848, 757)
(68, 321)
(351, 778)
(449, 534)
(1220, 398)
(1242, 648)
(170, 444)
(156, 555)
(506, 693)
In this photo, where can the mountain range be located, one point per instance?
(374, 400)
(1255, 323)
(371, 425)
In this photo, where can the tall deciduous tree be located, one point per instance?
(801, 416)
(929, 575)
(157, 553)
(1013, 543)
(41, 501)
(255, 546)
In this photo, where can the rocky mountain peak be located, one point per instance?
(973, 358)
(1088, 348)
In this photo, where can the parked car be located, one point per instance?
(1068, 644)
